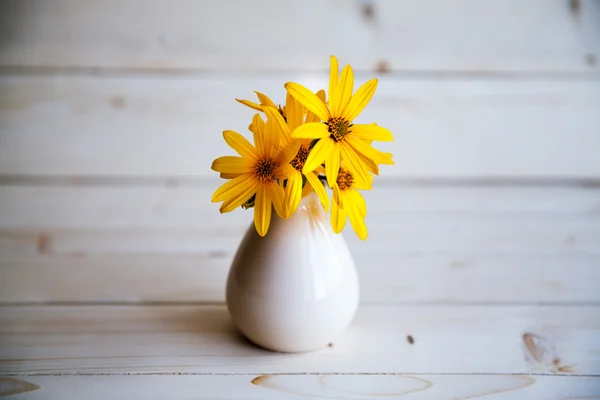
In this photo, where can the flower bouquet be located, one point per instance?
(296, 289)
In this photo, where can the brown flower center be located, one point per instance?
(265, 170)
(338, 128)
(345, 179)
(300, 159)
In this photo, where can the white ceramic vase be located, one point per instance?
(296, 289)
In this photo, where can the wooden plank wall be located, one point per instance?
(111, 112)
(481, 275)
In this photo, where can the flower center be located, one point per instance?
(345, 179)
(338, 128)
(265, 170)
(300, 159)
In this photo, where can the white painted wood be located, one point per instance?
(391, 277)
(432, 35)
(188, 206)
(494, 280)
(426, 244)
(276, 387)
(432, 244)
(201, 339)
(148, 126)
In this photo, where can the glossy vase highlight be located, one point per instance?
(296, 289)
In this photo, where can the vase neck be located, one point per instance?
(310, 208)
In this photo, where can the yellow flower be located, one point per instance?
(372, 166)
(287, 119)
(348, 202)
(294, 171)
(254, 173)
(338, 137)
(264, 101)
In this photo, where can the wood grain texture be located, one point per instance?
(111, 112)
(457, 35)
(390, 278)
(149, 126)
(201, 339)
(121, 207)
(430, 243)
(339, 387)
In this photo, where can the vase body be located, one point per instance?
(296, 289)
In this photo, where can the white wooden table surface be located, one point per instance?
(481, 274)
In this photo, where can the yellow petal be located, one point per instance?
(235, 192)
(363, 185)
(308, 99)
(346, 86)
(318, 187)
(321, 95)
(283, 171)
(293, 193)
(225, 175)
(258, 130)
(228, 189)
(358, 200)
(318, 154)
(312, 130)
(264, 100)
(372, 132)
(306, 190)
(356, 218)
(232, 165)
(368, 151)
(272, 138)
(294, 112)
(276, 194)
(310, 116)
(288, 153)
(333, 86)
(354, 164)
(280, 124)
(360, 99)
(336, 196)
(250, 104)
(262, 210)
(371, 166)
(338, 217)
(332, 166)
(305, 143)
(240, 144)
